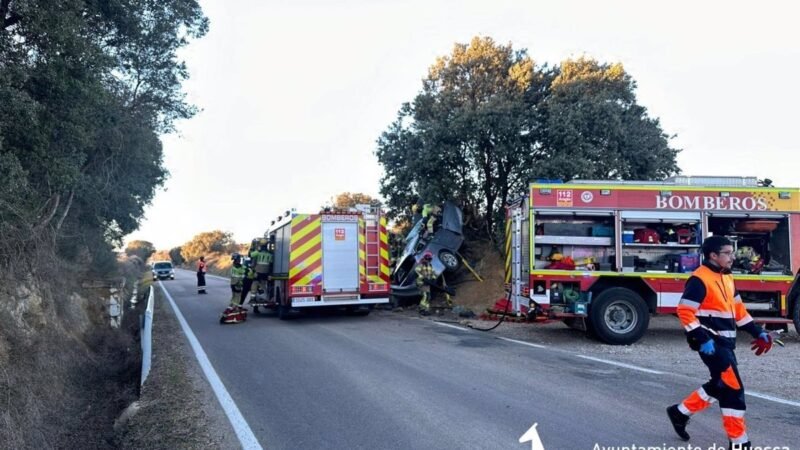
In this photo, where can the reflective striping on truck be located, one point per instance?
(305, 254)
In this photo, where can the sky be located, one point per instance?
(294, 94)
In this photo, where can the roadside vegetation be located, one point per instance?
(86, 91)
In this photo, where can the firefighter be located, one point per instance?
(201, 275)
(235, 313)
(263, 267)
(710, 311)
(425, 277)
(247, 282)
(238, 272)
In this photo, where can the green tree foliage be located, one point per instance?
(347, 200)
(206, 243)
(85, 90)
(488, 120)
(160, 255)
(142, 249)
(175, 256)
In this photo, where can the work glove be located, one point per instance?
(762, 344)
(707, 347)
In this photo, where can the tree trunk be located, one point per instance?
(66, 211)
(50, 210)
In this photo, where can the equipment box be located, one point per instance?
(689, 262)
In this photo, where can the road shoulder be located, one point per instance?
(178, 408)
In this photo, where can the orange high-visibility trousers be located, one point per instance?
(725, 387)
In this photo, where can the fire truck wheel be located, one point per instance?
(619, 316)
(283, 312)
(449, 260)
(796, 315)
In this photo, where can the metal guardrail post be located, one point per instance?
(147, 337)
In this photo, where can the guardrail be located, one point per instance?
(147, 337)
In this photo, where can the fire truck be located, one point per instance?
(602, 256)
(338, 259)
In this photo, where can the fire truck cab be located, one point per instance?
(602, 256)
(338, 259)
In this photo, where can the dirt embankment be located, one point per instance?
(65, 374)
(488, 262)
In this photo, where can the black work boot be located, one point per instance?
(679, 421)
(742, 446)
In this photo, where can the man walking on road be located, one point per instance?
(710, 312)
(201, 275)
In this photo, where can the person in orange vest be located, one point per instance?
(201, 275)
(710, 311)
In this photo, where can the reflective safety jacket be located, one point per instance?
(263, 261)
(711, 308)
(424, 272)
(237, 274)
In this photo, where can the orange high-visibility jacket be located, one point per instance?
(711, 308)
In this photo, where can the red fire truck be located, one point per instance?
(602, 256)
(330, 259)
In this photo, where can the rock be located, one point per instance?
(126, 416)
(463, 312)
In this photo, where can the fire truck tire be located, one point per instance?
(619, 316)
(796, 315)
(283, 311)
(449, 260)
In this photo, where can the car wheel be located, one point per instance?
(283, 311)
(619, 316)
(450, 260)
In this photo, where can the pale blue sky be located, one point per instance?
(295, 93)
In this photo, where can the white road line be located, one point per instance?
(772, 399)
(450, 326)
(529, 344)
(614, 363)
(240, 426)
(627, 366)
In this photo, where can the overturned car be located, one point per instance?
(443, 244)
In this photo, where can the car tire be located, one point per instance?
(619, 316)
(449, 260)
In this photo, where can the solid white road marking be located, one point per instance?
(450, 326)
(529, 344)
(772, 399)
(627, 366)
(240, 426)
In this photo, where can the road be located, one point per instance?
(390, 381)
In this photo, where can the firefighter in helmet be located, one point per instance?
(425, 277)
(238, 272)
(247, 282)
(235, 313)
(262, 259)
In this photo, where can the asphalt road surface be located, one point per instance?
(390, 381)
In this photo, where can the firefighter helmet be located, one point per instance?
(427, 256)
(236, 257)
